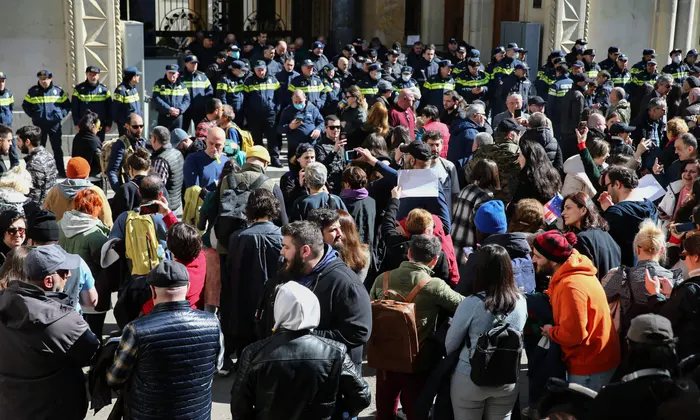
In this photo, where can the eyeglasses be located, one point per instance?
(605, 187)
(16, 230)
(137, 126)
(333, 127)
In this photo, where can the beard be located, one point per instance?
(24, 149)
(295, 267)
(546, 269)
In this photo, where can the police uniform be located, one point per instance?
(126, 100)
(200, 89)
(555, 101)
(400, 83)
(468, 81)
(7, 105)
(609, 64)
(216, 70)
(260, 108)
(231, 90)
(640, 78)
(687, 65)
(435, 87)
(97, 99)
(547, 74)
(641, 66)
(601, 96)
(395, 68)
(332, 89)
(370, 87)
(47, 108)
(318, 60)
(312, 87)
(621, 78)
(675, 70)
(168, 95)
(513, 84)
(591, 70)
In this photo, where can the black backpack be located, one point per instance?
(232, 206)
(496, 358)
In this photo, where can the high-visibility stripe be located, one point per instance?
(126, 99)
(503, 70)
(438, 86)
(48, 99)
(172, 92)
(263, 86)
(472, 82)
(196, 84)
(306, 89)
(90, 97)
(369, 91)
(7, 101)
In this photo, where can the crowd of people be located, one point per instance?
(562, 220)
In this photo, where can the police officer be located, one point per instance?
(502, 69)
(620, 74)
(435, 87)
(611, 62)
(93, 96)
(332, 89)
(590, 68)
(310, 84)
(348, 52)
(461, 61)
(7, 105)
(546, 75)
(576, 51)
(557, 91)
(601, 95)
(427, 66)
(234, 53)
(516, 82)
(690, 59)
(273, 67)
(649, 75)
(451, 53)
(472, 84)
(200, 89)
(578, 67)
(372, 56)
(216, 70)
(387, 75)
(405, 81)
(171, 98)
(317, 56)
(676, 68)
(260, 109)
(369, 86)
(125, 100)
(641, 66)
(231, 89)
(394, 65)
(47, 105)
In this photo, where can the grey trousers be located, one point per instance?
(472, 402)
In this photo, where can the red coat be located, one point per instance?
(407, 118)
(447, 247)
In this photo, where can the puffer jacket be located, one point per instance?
(270, 368)
(462, 135)
(59, 199)
(544, 136)
(622, 108)
(681, 309)
(576, 179)
(84, 235)
(42, 167)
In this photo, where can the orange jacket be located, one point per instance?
(582, 322)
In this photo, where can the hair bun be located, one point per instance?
(571, 238)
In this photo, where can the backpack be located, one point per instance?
(107, 152)
(393, 345)
(232, 206)
(496, 357)
(141, 243)
(246, 138)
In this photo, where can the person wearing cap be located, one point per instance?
(582, 324)
(199, 88)
(317, 57)
(47, 105)
(7, 102)
(620, 74)
(619, 139)
(611, 62)
(516, 82)
(601, 95)
(425, 67)
(461, 61)
(91, 95)
(576, 54)
(260, 110)
(496, 57)
(472, 84)
(392, 59)
(570, 111)
(35, 313)
(59, 199)
(646, 76)
(385, 93)
(546, 75)
(171, 98)
(577, 67)
(126, 100)
(676, 68)
(369, 86)
(435, 86)
(641, 65)
(690, 58)
(233, 53)
(331, 383)
(332, 88)
(522, 55)
(310, 84)
(348, 53)
(590, 67)
(405, 79)
(156, 356)
(301, 121)
(231, 89)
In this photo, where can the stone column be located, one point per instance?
(685, 25)
(664, 30)
(94, 37)
(568, 22)
(478, 26)
(432, 22)
(345, 22)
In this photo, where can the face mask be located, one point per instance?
(377, 76)
(677, 59)
(236, 55)
(299, 107)
(406, 78)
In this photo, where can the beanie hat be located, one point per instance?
(44, 227)
(490, 218)
(555, 246)
(177, 136)
(77, 168)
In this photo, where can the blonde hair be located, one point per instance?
(676, 127)
(650, 238)
(418, 220)
(18, 179)
(378, 119)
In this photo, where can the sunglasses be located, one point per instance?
(334, 127)
(16, 230)
(137, 126)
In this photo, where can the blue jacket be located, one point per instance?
(283, 95)
(116, 159)
(46, 105)
(467, 81)
(312, 120)
(333, 95)
(462, 135)
(202, 170)
(274, 67)
(369, 88)
(555, 100)
(7, 105)
(545, 77)
(434, 89)
(400, 84)
(96, 98)
(166, 95)
(199, 87)
(312, 87)
(424, 70)
(260, 96)
(125, 101)
(231, 91)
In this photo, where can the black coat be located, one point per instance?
(364, 212)
(268, 370)
(681, 309)
(544, 136)
(600, 247)
(88, 146)
(253, 259)
(291, 189)
(127, 197)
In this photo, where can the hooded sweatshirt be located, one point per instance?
(582, 322)
(624, 219)
(296, 308)
(59, 199)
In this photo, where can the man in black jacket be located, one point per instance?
(542, 134)
(570, 114)
(45, 342)
(330, 151)
(297, 374)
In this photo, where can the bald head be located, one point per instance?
(405, 99)
(694, 95)
(343, 63)
(596, 120)
(298, 97)
(215, 142)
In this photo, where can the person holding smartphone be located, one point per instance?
(330, 150)
(301, 122)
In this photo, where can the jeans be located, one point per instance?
(473, 402)
(593, 382)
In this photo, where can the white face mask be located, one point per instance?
(377, 76)
(677, 59)
(405, 77)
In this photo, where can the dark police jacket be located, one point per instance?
(94, 98)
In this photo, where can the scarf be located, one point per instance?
(359, 194)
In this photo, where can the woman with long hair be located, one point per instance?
(580, 215)
(494, 293)
(354, 114)
(685, 212)
(354, 253)
(13, 225)
(400, 137)
(13, 269)
(86, 144)
(377, 122)
(538, 178)
(292, 182)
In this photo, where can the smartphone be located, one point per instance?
(685, 227)
(352, 155)
(343, 135)
(581, 127)
(149, 209)
(518, 113)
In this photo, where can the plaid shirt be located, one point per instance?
(160, 168)
(203, 129)
(463, 210)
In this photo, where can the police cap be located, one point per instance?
(499, 49)
(2, 75)
(318, 44)
(238, 64)
(559, 60)
(589, 51)
(474, 62)
(649, 51)
(307, 63)
(191, 59)
(328, 67)
(581, 41)
(520, 66)
(462, 50)
(209, 35)
(557, 53)
(613, 49)
(452, 40)
(512, 46)
(361, 59)
(132, 70)
(172, 68)
(92, 69)
(445, 63)
(406, 70)
(357, 40)
(652, 61)
(676, 51)
(372, 53)
(349, 48)
(622, 57)
(692, 53)
(384, 86)
(474, 53)
(233, 47)
(393, 52)
(248, 42)
(260, 64)
(221, 55)
(536, 100)
(578, 63)
(375, 67)
(44, 73)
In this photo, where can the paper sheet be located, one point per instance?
(418, 183)
(411, 39)
(648, 188)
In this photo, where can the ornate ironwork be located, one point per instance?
(181, 20)
(252, 24)
(220, 20)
